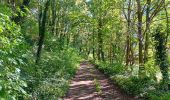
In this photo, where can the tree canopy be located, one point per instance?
(43, 41)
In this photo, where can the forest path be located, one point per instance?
(83, 86)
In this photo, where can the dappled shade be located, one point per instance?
(83, 87)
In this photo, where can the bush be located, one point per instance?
(12, 48)
(111, 69)
(158, 95)
(151, 69)
(132, 84)
(53, 74)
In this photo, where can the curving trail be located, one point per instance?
(83, 86)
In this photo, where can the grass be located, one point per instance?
(97, 86)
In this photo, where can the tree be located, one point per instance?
(161, 55)
(140, 35)
(42, 27)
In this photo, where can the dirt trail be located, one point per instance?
(83, 86)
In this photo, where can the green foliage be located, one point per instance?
(76, 23)
(11, 60)
(132, 85)
(53, 74)
(161, 54)
(111, 69)
(160, 44)
(158, 95)
(97, 86)
(5, 10)
(30, 30)
(151, 69)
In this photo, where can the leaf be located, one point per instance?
(23, 91)
(1, 29)
(0, 87)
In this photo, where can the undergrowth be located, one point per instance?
(145, 87)
(52, 74)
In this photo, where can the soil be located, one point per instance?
(83, 86)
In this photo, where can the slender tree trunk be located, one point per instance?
(100, 41)
(132, 59)
(110, 52)
(147, 31)
(128, 35)
(53, 8)
(42, 26)
(140, 36)
(93, 42)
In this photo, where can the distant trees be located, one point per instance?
(114, 31)
(124, 33)
(146, 12)
(137, 20)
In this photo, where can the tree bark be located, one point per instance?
(128, 34)
(147, 31)
(140, 36)
(54, 15)
(100, 41)
(42, 26)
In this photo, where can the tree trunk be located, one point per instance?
(128, 35)
(93, 42)
(42, 26)
(100, 41)
(147, 31)
(140, 36)
(53, 8)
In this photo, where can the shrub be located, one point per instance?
(158, 95)
(12, 48)
(53, 74)
(111, 69)
(132, 84)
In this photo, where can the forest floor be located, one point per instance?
(91, 84)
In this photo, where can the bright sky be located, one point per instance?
(88, 0)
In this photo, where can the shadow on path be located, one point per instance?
(82, 86)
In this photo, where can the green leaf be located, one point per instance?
(0, 87)
(1, 29)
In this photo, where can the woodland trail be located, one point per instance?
(83, 86)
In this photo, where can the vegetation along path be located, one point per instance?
(90, 84)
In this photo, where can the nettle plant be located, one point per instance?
(11, 84)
